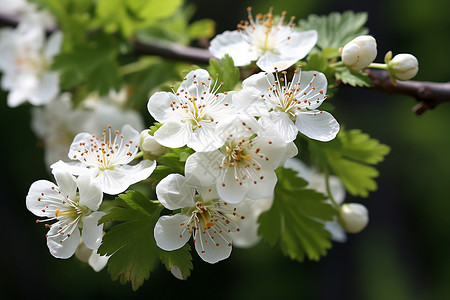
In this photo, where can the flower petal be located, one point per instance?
(280, 124)
(170, 234)
(34, 198)
(173, 192)
(210, 246)
(299, 44)
(205, 138)
(264, 187)
(249, 101)
(202, 168)
(66, 182)
(61, 246)
(229, 189)
(97, 262)
(159, 105)
(317, 125)
(92, 233)
(174, 134)
(233, 44)
(91, 195)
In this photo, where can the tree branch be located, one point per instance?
(428, 94)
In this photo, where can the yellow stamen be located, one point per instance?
(207, 224)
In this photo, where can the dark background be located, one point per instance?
(402, 254)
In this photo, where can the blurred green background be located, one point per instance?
(404, 253)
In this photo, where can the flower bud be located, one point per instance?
(354, 217)
(150, 145)
(359, 52)
(403, 66)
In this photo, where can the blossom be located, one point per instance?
(204, 215)
(289, 107)
(316, 181)
(106, 159)
(359, 53)
(150, 145)
(354, 217)
(90, 256)
(271, 45)
(245, 165)
(190, 114)
(72, 210)
(25, 63)
(403, 66)
(57, 122)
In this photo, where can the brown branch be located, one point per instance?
(428, 94)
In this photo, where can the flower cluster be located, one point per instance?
(240, 138)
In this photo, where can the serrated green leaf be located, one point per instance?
(351, 156)
(228, 73)
(131, 243)
(336, 29)
(181, 259)
(354, 79)
(295, 220)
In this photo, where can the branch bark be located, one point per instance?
(428, 94)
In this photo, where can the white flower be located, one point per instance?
(316, 181)
(203, 215)
(25, 63)
(190, 114)
(57, 123)
(270, 45)
(72, 211)
(149, 144)
(25, 9)
(90, 256)
(248, 235)
(245, 165)
(106, 159)
(404, 66)
(289, 107)
(359, 53)
(354, 217)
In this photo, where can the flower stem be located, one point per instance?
(336, 64)
(330, 196)
(378, 66)
(139, 154)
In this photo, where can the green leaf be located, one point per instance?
(171, 162)
(354, 79)
(131, 243)
(336, 29)
(351, 156)
(295, 221)
(201, 29)
(228, 73)
(181, 259)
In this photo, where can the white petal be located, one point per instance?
(91, 195)
(299, 44)
(271, 62)
(337, 232)
(80, 138)
(249, 101)
(192, 88)
(202, 168)
(211, 249)
(46, 90)
(53, 46)
(264, 187)
(317, 125)
(269, 151)
(97, 262)
(173, 192)
(92, 233)
(159, 105)
(280, 124)
(230, 190)
(130, 134)
(169, 234)
(205, 138)
(15, 98)
(238, 126)
(174, 134)
(117, 181)
(74, 168)
(232, 43)
(33, 199)
(61, 246)
(66, 182)
(318, 81)
(337, 189)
